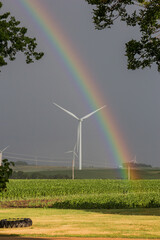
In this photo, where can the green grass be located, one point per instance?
(82, 194)
(90, 208)
(122, 223)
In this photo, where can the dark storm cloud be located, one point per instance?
(30, 123)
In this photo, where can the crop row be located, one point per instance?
(84, 193)
(24, 189)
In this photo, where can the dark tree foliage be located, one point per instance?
(145, 14)
(5, 173)
(13, 39)
(37, 175)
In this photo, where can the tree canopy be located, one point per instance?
(145, 51)
(5, 173)
(13, 39)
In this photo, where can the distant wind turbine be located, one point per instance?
(79, 132)
(134, 160)
(1, 151)
(73, 159)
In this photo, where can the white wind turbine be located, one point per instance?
(79, 132)
(73, 159)
(1, 151)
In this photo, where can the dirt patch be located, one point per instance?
(36, 203)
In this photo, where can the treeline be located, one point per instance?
(37, 175)
(136, 165)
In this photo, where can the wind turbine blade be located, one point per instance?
(90, 114)
(75, 147)
(75, 154)
(69, 152)
(74, 151)
(4, 149)
(73, 115)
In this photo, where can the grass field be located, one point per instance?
(82, 194)
(137, 223)
(89, 208)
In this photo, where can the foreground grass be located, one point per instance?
(122, 223)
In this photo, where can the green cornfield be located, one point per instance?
(84, 194)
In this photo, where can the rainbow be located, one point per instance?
(82, 77)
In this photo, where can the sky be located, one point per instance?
(37, 130)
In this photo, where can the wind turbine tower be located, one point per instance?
(79, 131)
(1, 151)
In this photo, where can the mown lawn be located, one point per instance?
(131, 223)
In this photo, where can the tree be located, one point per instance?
(145, 14)
(5, 173)
(13, 39)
